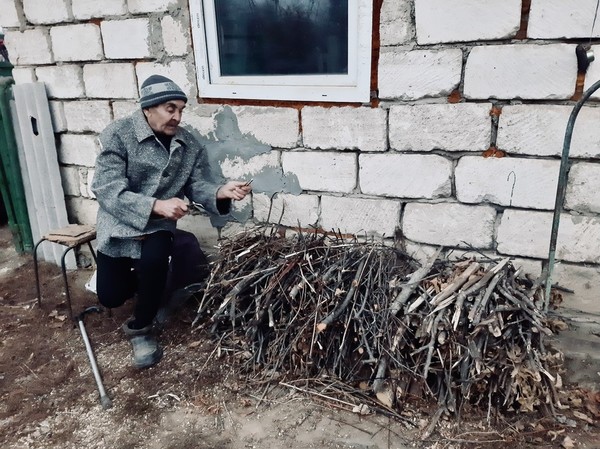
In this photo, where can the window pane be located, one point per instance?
(282, 37)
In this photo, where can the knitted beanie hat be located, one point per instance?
(159, 89)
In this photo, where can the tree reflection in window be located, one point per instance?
(282, 37)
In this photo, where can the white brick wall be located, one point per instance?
(405, 175)
(584, 281)
(87, 191)
(57, 115)
(46, 11)
(344, 128)
(289, 210)
(124, 108)
(142, 6)
(360, 216)
(410, 75)
(593, 71)
(449, 224)
(539, 130)
(238, 168)
(87, 9)
(87, 116)
(82, 210)
(527, 233)
(552, 19)
(28, 47)
(202, 118)
(583, 187)
(126, 39)
(176, 38)
(78, 149)
(23, 75)
(61, 81)
(9, 17)
(322, 171)
(77, 42)
(180, 72)
(507, 181)
(466, 20)
(451, 127)
(112, 81)
(527, 71)
(71, 181)
(277, 127)
(395, 23)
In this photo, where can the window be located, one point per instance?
(311, 50)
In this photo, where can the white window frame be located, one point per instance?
(353, 87)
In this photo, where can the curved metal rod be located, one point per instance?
(562, 186)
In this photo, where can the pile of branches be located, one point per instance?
(315, 306)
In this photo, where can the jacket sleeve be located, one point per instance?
(202, 186)
(112, 187)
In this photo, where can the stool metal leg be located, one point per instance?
(64, 273)
(37, 275)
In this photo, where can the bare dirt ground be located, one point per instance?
(194, 398)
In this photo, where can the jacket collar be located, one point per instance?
(143, 131)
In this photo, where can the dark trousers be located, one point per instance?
(119, 278)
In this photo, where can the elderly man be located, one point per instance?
(146, 165)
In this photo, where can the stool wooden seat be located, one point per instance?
(71, 236)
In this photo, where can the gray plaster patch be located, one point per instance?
(228, 142)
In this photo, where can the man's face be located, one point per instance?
(165, 117)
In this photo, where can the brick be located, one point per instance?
(344, 128)
(360, 215)
(88, 9)
(202, 118)
(176, 38)
(559, 19)
(450, 127)
(396, 22)
(177, 70)
(82, 210)
(86, 189)
(144, 6)
(23, 75)
(126, 39)
(322, 171)
(585, 283)
(57, 115)
(292, 210)
(277, 127)
(30, 47)
(527, 71)
(527, 233)
(9, 16)
(507, 181)
(71, 181)
(112, 81)
(539, 130)
(124, 108)
(415, 74)
(405, 175)
(77, 42)
(449, 224)
(238, 168)
(87, 116)
(583, 187)
(47, 11)
(593, 72)
(78, 149)
(439, 21)
(61, 81)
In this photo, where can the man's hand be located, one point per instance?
(173, 208)
(234, 190)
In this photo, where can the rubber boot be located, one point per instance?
(146, 350)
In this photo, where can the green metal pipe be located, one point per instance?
(562, 187)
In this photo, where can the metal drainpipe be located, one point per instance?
(562, 187)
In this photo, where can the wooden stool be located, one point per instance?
(71, 236)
